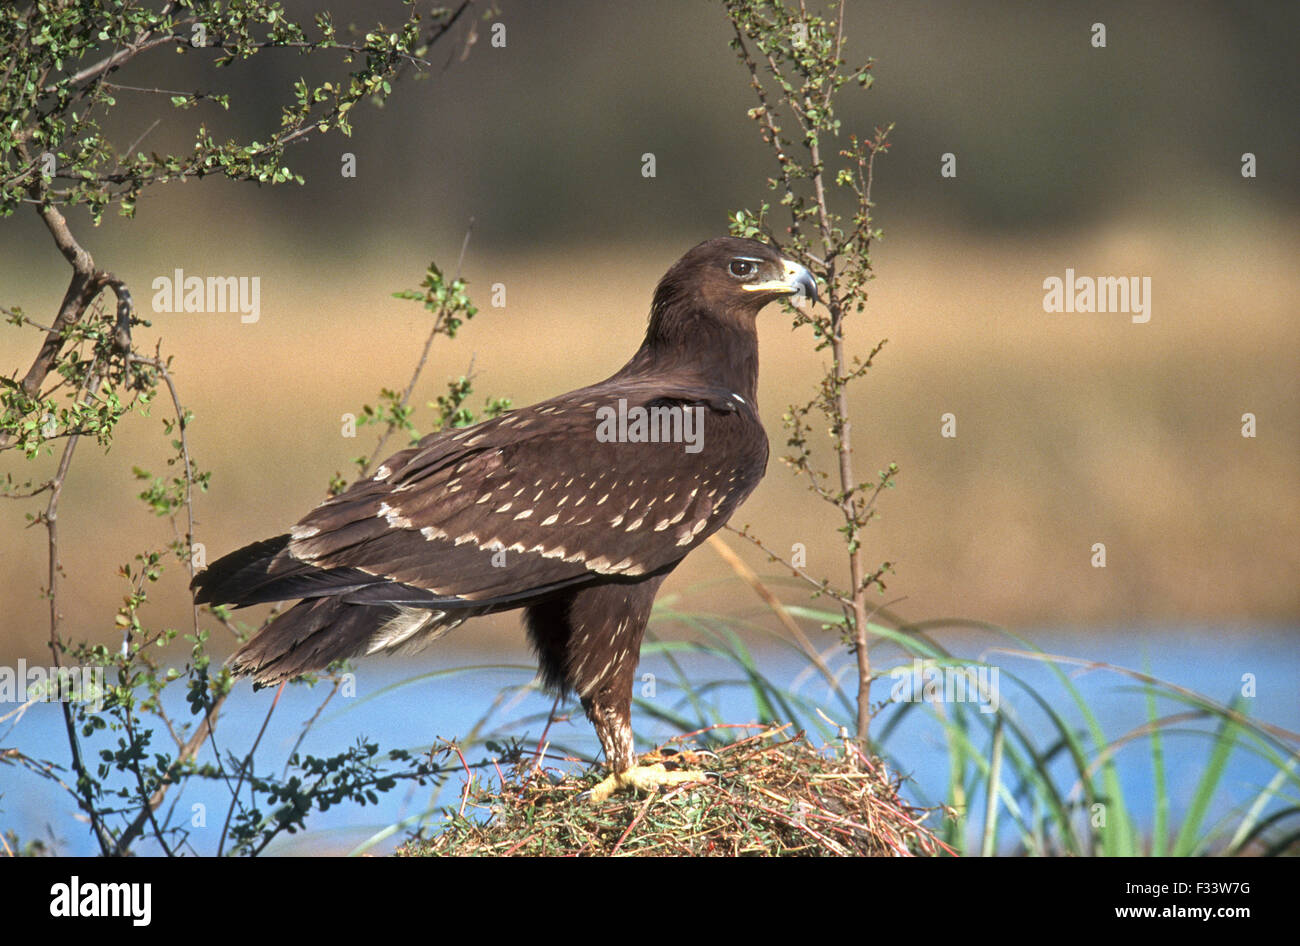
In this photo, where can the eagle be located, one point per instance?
(574, 510)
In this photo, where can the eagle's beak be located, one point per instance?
(794, 281)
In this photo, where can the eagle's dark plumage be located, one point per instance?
(539, 509)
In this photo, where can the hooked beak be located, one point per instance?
(794, 281)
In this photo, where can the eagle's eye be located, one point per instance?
(742, 268)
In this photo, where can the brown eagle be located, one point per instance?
(574, 509)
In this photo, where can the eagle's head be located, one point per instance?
(732, 276)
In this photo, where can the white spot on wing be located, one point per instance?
(393, 517)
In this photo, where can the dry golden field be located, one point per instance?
(1071, 428)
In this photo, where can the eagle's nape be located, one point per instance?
(532, 510)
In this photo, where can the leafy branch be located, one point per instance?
(66, 64)
(797, 70)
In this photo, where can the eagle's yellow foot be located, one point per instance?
(642, 778)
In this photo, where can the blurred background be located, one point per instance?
(1072, 429)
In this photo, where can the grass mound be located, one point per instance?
(773, 794)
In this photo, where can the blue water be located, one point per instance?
(416, 702)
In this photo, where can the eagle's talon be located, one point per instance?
(642, 778)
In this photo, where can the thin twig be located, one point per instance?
(438, 321)
(246, 766)
(747, 574)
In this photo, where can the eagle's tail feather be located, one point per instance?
(326, 625)
(318, 631)
(308, 638)
(228, 579)
(268, 571)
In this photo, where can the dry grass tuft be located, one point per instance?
(774, 794)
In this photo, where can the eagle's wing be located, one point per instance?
(516, 507)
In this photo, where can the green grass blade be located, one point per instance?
(1188, 841)
(1160, 832)
(988, 845)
